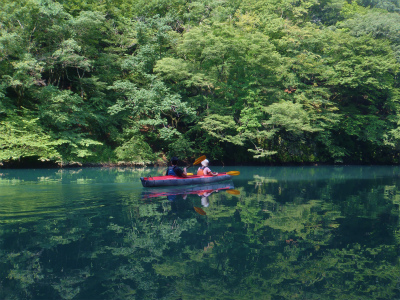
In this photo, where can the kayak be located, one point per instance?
(170, 180)
(187, 190)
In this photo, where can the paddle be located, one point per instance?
(199, 211)
(233, 192)
(233, 173)
(199, 160)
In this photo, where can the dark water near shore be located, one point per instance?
(269, 233)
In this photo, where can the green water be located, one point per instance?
(276, 233)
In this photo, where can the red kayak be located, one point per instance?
(170, 180)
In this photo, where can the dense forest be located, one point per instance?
(242, 81)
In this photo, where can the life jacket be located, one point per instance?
(171, 171)
(200, 171)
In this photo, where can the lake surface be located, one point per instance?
(269, 233)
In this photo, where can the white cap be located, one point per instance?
(204, 163)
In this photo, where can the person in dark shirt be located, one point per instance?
(175, 170)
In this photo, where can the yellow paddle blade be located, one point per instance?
(233, 192)
(199, 160)
(199, 211)
(233, 173)
(189, 173)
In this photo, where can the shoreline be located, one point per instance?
(73, 164)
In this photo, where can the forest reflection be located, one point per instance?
(270, 233)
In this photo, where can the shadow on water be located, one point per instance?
(270, 233)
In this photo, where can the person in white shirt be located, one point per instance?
(204, 169)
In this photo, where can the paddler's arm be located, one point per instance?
(181, 173)
(209, 172)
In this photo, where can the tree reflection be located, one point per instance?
(277, 239)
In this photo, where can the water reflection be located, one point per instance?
(270, 233)
(175, 195)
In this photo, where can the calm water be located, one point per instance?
(270, 233)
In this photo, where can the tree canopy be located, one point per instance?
(242, 81)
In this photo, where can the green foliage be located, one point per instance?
(351, 10)
(392, 6)
(291, 117)
(26, 74)
(280, 81)
(135, 150)
(61, 110)
(182, 147)
(24, 137)
(222, 128)
(378, 24)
